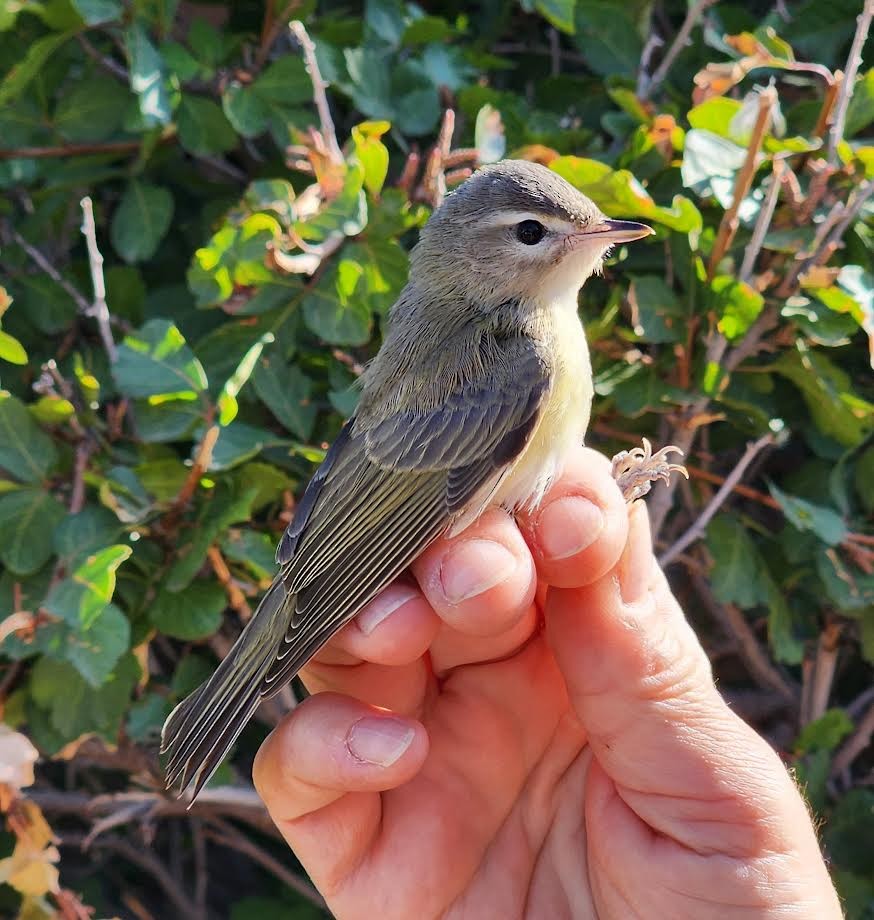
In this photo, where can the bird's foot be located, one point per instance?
(637, 469)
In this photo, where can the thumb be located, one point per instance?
(641, 685)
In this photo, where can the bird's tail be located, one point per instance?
(201, 729)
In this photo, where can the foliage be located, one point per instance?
(149, 459)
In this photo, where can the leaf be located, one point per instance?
(371, 153)
(156, 361)
(736, 304)
(95, 649)
(203, 128)
(17, 757)
(607, 37)
(26, 452)
(239, 442)
(167, 421)
(11, 349)
(656, 311)
(285, 390)
(147, 78)
(193, 613)
(79, 535)
(559, 13)
(860, 112)
(97, 11)
(141, 220)
(28, 518)
(29, 66)
(248, 113)
(333, 310)
(227, 400)
(827, 524)
(735, 575)
(710, 163)
(81, 598)
(93, 111)
(850, 831)
(824, 733)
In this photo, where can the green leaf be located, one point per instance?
(227, 400)
(619, 194)
(28, 518)
(206, 43)
(146, 717)
(92, 111)
(80, 535)
(607, 37)
(81, 598)
(203, 128)
(710, 163)
(167, 421)
(257, 551)
(656, 311)
(850, 831)
(735, 576)
(194, 613)
(286, 390)
(559, 13)
(736, 304)
(147, 78)
(248, 113)
(827, 524)
(94, 650)
(825, 733)
(371, 153)
(782, 632)
(11, 349)
(156, 361)
(97, 11)
(239, 442)
(333, 310)
(26, 452)
(141, 220)
(285, 82)
(860, 112)
(29, 66)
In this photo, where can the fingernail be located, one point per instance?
(379, 741)
(383, 605)
(474, 566)
(568, 525)
(635, 566)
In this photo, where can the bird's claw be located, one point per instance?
(637, 469)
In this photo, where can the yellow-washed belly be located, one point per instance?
(563, 420)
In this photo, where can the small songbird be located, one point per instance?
(481, 388)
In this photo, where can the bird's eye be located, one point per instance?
(530, 232)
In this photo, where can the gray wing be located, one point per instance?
(385, 490)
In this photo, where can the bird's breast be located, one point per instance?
(563, 417)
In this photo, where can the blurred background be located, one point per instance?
(206, 211)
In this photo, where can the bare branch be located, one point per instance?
(99, 309)
(700, 525)
(68, 150)
(763, 222)
(43, 263)
(836, 133)
(855, 744)
(329, 133)
(677, 45)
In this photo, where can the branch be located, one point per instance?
(677, 45)
(99, 309)
(729, 223)
(146, 860)
(855, 744)
(763, 222)
(227, 835)
(823, 674)
(836, 134)
(202, 460)
(700, 525)
(271, 28)
(68, 150)
(43, 263)
(236, 598)
(326, 122)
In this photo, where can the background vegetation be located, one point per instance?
(173, 372)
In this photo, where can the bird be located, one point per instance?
(479, 392)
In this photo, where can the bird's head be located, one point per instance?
(516, 231)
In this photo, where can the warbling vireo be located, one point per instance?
(481, 388)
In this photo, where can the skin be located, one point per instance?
(481, 745)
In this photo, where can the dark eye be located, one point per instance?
(530, 232)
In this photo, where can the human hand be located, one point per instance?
(536, 752)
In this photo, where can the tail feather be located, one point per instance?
(199, 732)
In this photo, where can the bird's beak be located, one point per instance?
(616, 231)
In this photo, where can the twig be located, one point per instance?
(677, 45)
(824, 670)
(68, 150)
(273, 25)
(854, 59)
(43, 263)
(700, 525)
(201, 875)
(763, 222)
(850, 213)
(202, 460)
(729, 223)
(80, 465)
(107, 63)
(227, 835)
(99, 310)
(146, 860)
(854, 745)
(235, 596)
(326, 122)
(756, 659)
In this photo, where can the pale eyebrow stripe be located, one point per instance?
(507, 218)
